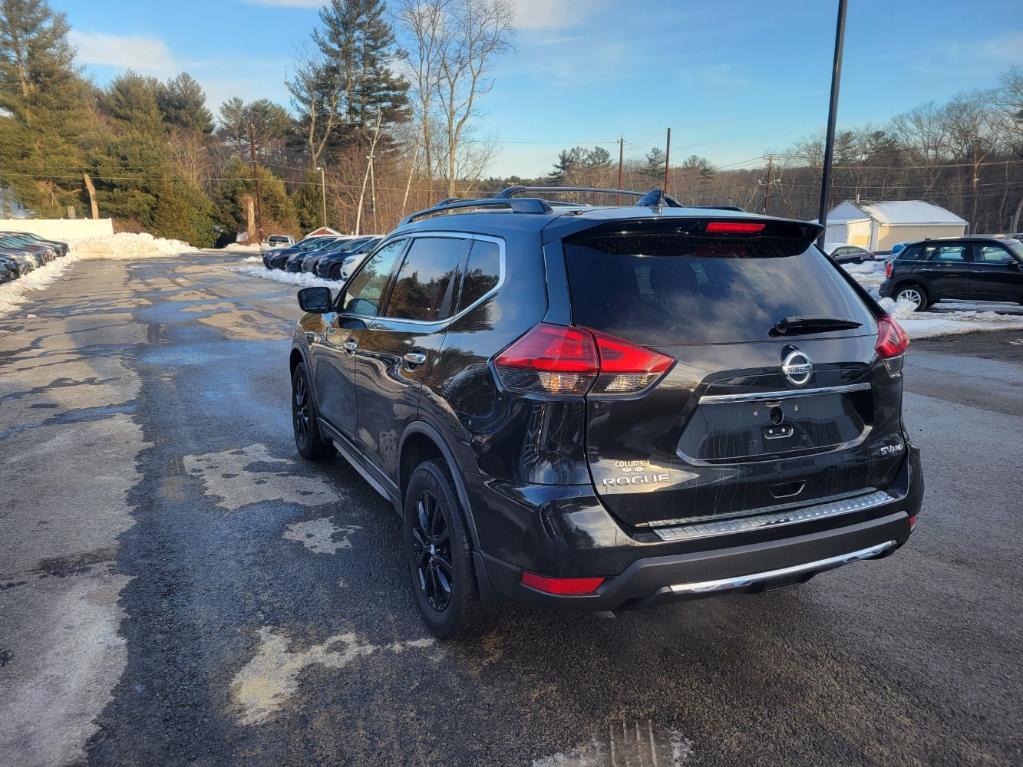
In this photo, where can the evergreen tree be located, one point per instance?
(44, 108)
(254, 128)
(357, 50)
(569, 161)
(182, 102)
(598, 158)
(237, 183)
(654, 167)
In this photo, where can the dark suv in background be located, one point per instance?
(972, 268)
(609, 407)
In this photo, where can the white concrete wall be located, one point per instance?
(59, 228)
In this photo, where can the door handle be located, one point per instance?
(350, 345)
(413, 359)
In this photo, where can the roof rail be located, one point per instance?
(523, 205)
(511, 191)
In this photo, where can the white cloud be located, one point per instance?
(149, 55)
(551, 14)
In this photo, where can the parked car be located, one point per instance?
(278, 259)
(42, 253)
(61, 248)
(9, 269)
(329, 265)
(849, 254)
(26, 262)
(977, 268)
(609, 407)
(277, 241)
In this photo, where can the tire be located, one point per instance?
(335, 272)
(913, 293)
(308, 440)
(439, 553)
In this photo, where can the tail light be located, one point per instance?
(561, 586)
(555, 359)
(734, 227)
(892, 343)
(888, 268)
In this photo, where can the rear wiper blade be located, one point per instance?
(797, 325)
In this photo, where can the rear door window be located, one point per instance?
(482, 272)
(668, 289)
(953, 254)
(422, 290)
(993, 254)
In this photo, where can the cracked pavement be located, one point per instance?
(178, 587)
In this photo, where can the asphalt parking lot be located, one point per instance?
(177, 587)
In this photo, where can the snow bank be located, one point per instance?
(929, 324)
(299, 279)
(123, 246)
(240, 247)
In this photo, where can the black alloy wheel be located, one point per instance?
(431, 547)
(308, 439)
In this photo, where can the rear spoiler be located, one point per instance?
(744, 227)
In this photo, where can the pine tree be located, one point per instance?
(654, 167)
(182, 102)
(569, 161)
(357, 49)
(44, 108)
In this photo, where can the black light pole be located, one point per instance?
(829, 139)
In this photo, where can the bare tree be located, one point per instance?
(479, 32)
(426, 25)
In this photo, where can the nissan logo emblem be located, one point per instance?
(797, 368)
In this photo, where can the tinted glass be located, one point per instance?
(911, 253)
(945, 253)
(993, 254)
(664, 289)
(422, 289)
(482, 273)
(365, 290)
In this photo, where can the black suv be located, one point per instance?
(978, 268)
(609, 407)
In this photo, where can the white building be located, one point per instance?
(879, 225)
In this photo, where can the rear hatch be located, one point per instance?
(776, 398)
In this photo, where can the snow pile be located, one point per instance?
(253, 260)
(929, 324)
(299, 279)
(123, 246)
(870, 274)
(241, 247)
(128, 246)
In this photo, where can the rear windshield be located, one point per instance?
(664, 289)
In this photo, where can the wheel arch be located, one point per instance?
(419, 442)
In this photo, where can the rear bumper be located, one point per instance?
(751, 568)
(566, 532)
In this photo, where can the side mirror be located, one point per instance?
(315, 300)
(1014, 265)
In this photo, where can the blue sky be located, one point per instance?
(733, 78)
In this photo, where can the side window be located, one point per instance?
(422, 290)
(365, 290)
(482, 272)
(993, 254)
(955, 254)
(912, 253)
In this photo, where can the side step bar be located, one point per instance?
(820, 565)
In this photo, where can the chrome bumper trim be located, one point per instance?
(770, 396)
(742, 581)
(774, 519)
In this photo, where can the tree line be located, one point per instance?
(383, 119)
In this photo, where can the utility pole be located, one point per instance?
(621, 153)
(829, 141)
(323, 188)
(667, 160)
(411, 171)
(767, 186)
(259, 191)
(369, 170)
